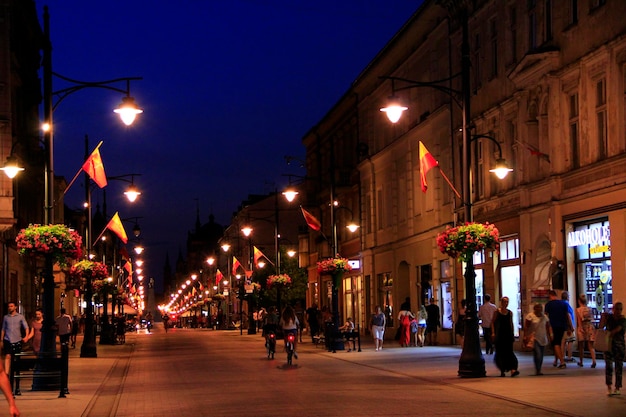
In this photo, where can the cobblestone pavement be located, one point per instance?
(199, 372)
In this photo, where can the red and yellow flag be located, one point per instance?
(115, 225)
(236, 265)
(258, 254)
(426, 163)
(218, 277)
(94, 167)
(311, 220)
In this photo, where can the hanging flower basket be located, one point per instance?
(57, 240)
(463, 241)
(103, 286)
(281, 279)
(88, 270)
(332, 266)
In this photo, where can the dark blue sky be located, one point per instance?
(229, 88)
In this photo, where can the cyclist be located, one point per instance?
(289, 323)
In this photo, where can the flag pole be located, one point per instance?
(449, 183)
(81, 169)
(100, 235)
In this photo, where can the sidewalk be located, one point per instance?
(86, 377)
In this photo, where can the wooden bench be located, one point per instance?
(31, 365)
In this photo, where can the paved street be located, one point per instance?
(197, 372)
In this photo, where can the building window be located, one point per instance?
(493, 34)
(548, 19)
(601, 118)
(573, 12)
(532, 25)
(573, 130)
(513, 31)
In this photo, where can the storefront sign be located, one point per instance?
(593, 236)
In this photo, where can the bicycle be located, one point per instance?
(290, 344)
(270, 344)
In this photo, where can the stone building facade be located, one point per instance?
(548, 82)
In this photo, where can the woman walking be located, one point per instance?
(536, 330)
(616, 325)
(585, 332)
(503, 338)
(378, 328)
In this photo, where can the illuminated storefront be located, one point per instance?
(591, 244)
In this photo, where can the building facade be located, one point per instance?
(547, 84)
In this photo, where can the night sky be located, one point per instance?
(229, 88)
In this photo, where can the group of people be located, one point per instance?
(16, 332)
(414, 329)
(556, 324)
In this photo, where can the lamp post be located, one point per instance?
(247, 231)
(226, 249)
(127, 111)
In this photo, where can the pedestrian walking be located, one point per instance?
(377, 324)
(312, 318)
(459, 326)
(560, 322)
(301, 316)
(404, 319)
(35, 330)
(5, 386)
(503, 339)
(15, 332)
(433, 322)
(585, 332)
(421, 326)
(74, 333)
(615, 323)
(567, 345)
(536, 331)
(485, 314)
(64, 327)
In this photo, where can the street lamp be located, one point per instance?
(290, 194)
(128, 110)
(471, 362)
(247, 231)
(88, 348)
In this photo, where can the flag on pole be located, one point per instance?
(129, 268)
(94, 167)
(258, 254)
(311, 220)
(115, 225)
(124, 254)
(426, 163)
(236, 265)
(218, 277)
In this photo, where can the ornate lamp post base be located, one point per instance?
(472, 362)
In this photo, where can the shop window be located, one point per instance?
(592, 249)
(447, 321)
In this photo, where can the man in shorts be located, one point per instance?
(14, 333)
(560, 322)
